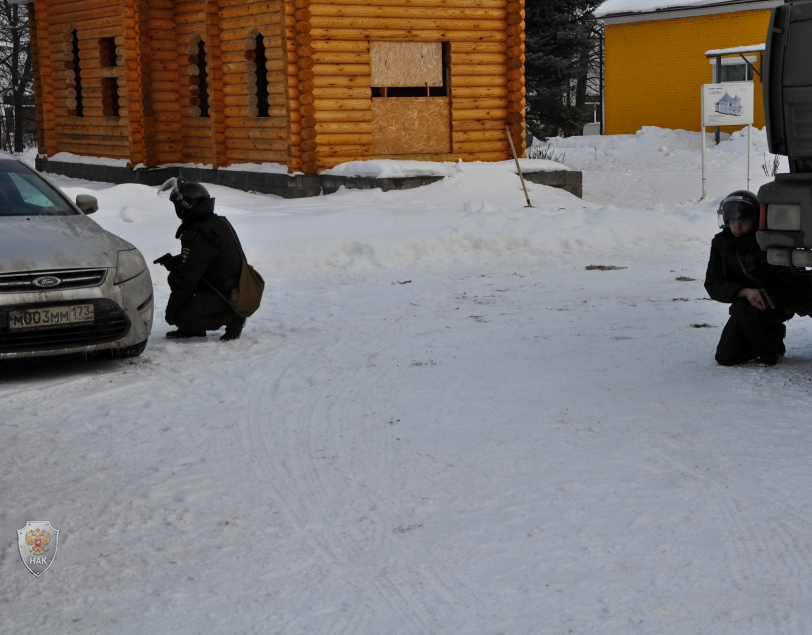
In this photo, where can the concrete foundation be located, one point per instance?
(284, 185)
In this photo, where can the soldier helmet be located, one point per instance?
(190, 198)
(738, 205)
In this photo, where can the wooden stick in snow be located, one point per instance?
(515, 158)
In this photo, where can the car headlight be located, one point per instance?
(784, 217)
(130, 264)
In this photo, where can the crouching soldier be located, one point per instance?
(761, 296)
(207, 268)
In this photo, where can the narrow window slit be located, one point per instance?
(262, 77)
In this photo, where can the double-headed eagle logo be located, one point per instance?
(37, 542)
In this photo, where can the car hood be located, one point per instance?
(39, 243)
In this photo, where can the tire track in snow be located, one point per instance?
(759, 550)
(331, 409)
(286, 479)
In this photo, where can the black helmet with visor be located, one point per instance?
(190, 198)
(739, 205)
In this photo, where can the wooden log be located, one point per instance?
(474, 126)
(240, 100)
(256, 144)
(339, 46)
(342, 104)
(407, 24)
(345, 151)
(478, 135)
(479, 115)
(341, 69)
(406, 35)
(240, 89)
(481, 146)
(515, 40)
(344, 115)
(342, 58)
(233, 28)
(254, 156)
(475, 103)
(307, 134)
(276, 134)
(351, 81)
(412, 13)
(488, 81)
(345, 139)
(241, 111)
(254, 8)
(342, 92)
(462, 59)
(468, 4)
(335, 127)
(478, 91)
(478, 70)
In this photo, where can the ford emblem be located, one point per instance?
(46, 282)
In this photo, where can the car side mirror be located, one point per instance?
(88, 204)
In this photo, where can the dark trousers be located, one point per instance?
(206, 311)
(750, 333)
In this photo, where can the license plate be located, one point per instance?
(50, 316)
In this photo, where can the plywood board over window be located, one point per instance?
(411, 125)
(396, 64)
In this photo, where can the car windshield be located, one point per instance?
(23, 193)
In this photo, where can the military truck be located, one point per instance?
(785, 222)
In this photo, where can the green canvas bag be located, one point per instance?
(245, 299)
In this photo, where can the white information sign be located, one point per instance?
(728, 104)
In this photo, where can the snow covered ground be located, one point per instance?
(439, 422)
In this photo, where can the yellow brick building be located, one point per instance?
(655, 58)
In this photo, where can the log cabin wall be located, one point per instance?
(221, 121)
(189, 76)
(60, 60)
(485, 83)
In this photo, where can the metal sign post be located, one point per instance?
(749, 152)
(726, 104)
(702, 132)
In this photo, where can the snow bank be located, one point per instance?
(474, 215)
(69, 157)
(387, 169)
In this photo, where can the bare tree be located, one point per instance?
(17, 118)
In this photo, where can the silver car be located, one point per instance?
(66, 284)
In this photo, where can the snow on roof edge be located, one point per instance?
(617, 8)
(755, 48)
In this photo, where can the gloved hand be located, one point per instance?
(167, 261)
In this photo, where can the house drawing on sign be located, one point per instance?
(308, 84)
(728, 105)
(659, 47)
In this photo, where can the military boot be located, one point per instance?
(234, 329)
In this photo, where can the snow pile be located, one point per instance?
(474, 215)
(69, 157)
(387, 169)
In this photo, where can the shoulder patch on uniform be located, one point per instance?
(184, 254)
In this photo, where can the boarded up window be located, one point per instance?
(411, 125)
(399, 64)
